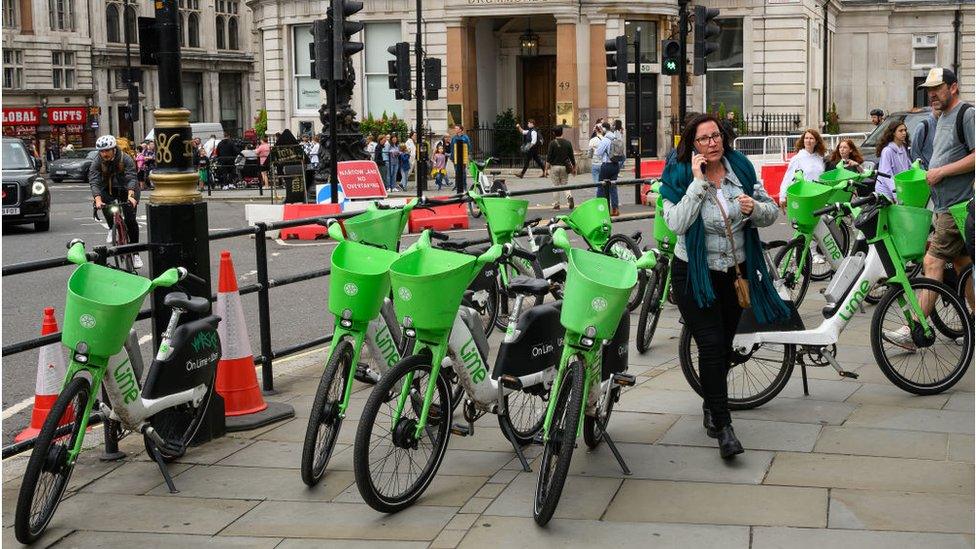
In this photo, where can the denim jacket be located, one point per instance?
(696, 203)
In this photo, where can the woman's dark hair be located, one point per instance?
(855, 153)
(439, 146)
(820, 148)
(686, 147)
(889, 135)
(618, 125)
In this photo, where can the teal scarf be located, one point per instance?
(767, 306)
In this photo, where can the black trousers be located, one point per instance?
(128, 214)
(713, 329)
(532, 156)
(460, 178)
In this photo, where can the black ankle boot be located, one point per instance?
(728, 444)
(708, 422)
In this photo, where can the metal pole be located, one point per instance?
(640, 126)
(333, 140)
(128, 61)
(683, 72)
(421, 137)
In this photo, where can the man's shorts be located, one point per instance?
(559, 175)
(945, 242)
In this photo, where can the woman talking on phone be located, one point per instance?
(714, 203)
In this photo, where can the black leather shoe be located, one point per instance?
(728, 444)
(708, 422)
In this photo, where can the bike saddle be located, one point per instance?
(529, 286)
(179, 300)
(481, 165)
(494, 172)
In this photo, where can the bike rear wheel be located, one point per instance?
(592, 433)
(557, 453)
(796, 279)
(179, 424)
(324, 420)
(393, 468)
(651, 308)
(48, 470)
(753, 379)
(526, 413)
(623, 247)
(919, 365)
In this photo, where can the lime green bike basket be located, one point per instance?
(597, 290)
(960, 211)
(837, 175)
(909, 228)
(381, 228)
(911, 188)
(359, 280)
(101, 307)
(591, 220)
(803, 198)
(428, 284)
(505, 216)
(663, 235)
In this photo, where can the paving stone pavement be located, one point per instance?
(856, 464)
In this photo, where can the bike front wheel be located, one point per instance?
(324, 421)
(48, 469)
(557, 453)
(920, 364)
(393, 467)
(795, 277)
(651, 308)
(623, 247)
(753, 379)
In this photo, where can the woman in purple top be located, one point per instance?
(893, 152)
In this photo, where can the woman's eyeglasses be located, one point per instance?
(705, 139)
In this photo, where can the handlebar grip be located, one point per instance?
(187, 275)
(532, 222)
(826, 210)
(524, 254)
(439, 236)
(380, 206)
(870, 199)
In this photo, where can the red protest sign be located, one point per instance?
(360, 179)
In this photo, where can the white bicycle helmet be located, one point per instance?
(106, 143)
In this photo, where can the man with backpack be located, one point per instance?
(531, 144)
(612, 153)
(950, 175)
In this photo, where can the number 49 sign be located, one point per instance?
(360, 179)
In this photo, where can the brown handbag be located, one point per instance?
(741, 284)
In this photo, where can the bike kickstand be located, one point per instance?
(803, 372)
(507, 431)
(162, 468)
(613, 448)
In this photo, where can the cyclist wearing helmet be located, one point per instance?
(113, 177)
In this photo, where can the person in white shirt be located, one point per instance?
(530, 147)
(809, 158)
(314, 152)
(412, 151)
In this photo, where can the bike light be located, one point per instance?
(410, 332)
(345, 323)
(587, 342)
(38, 187)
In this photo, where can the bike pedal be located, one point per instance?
(537, 439)
(624, 380)
(511, 382)
(460, 430)
(851, 375)
(362, 374)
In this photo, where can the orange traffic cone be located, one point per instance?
(237, 382)
(50, 377)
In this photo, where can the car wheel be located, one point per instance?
(42, 226)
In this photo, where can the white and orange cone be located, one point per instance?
(50, 377)
(236, 381)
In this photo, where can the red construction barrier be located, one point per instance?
(772, 176)
(651, 168)
(299, 211)
(442, 218)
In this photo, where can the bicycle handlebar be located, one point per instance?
(185, 274)
(872, 198)
(524, 254)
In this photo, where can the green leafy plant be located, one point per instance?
(383, 125)
(261, 123)
(832, 120)
(507, 138)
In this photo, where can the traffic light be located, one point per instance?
(670, 57)
(399, 69)
(133, 102)
(706, 30)
(343, 29)
(616, 49)
(432, 78)
(320, 50)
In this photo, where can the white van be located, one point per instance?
(203, 130)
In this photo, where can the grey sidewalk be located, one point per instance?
(857, 464)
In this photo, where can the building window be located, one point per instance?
(63, 70)
(925, 51)
(131, 27)
(117, 78)
(648, 40)
(13, 69)
(10, 14)
(724, 79)
(193, 30)
(220, 32)
(61, 15)
(112, 24)
(379, 98)
(232, 34)
(307, 89)
(193, 95)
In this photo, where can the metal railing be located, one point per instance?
(782, 145)
(264, 284)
